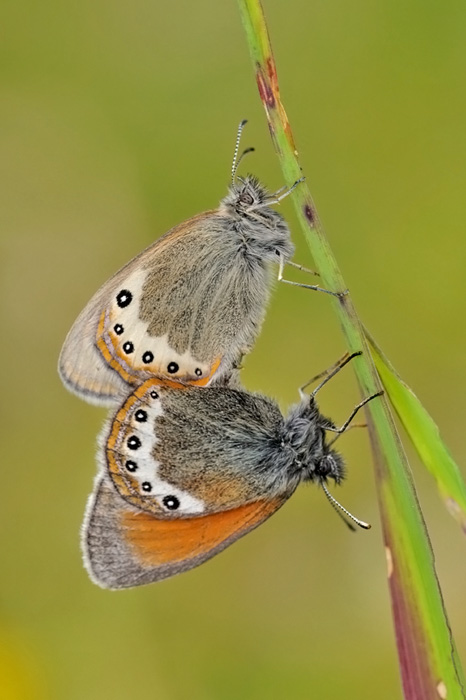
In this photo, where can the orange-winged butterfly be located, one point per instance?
(186, 471)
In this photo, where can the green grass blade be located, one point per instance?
(430, 668)
(424, 435)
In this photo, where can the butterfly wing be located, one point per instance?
(125, 547)
(185, 472)
(187, 308)
(204, 449)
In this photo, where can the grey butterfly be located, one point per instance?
(188, 307)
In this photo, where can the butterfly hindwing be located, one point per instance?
(202, 448)
(125, 547)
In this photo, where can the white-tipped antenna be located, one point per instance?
(338, 507)
(235, 163)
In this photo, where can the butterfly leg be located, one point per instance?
(356, 425)
(306, 286)
(341, 362)
(329, 373)
(297, 266)
(283, 192)
(357, 408)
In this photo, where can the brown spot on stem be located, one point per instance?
(272, 72)
(265, 89)
(309, 214)
(442, 690)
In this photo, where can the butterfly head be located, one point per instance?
(248, 205)
(305, 439)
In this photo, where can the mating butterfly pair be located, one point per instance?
(189, 462)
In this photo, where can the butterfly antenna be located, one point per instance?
(338, 507)
(234, 166)
(246, 150)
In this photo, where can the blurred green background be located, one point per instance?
(117, 121)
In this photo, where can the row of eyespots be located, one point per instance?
(124, 298)
(170, 502)
(134, 443)
(148, 356)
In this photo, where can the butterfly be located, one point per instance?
(188, 307)
(186, 471)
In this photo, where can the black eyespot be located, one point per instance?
(124, 298)
(140, 416)
(154, 395)
(172, 368)
(148, 357)
(118, 328)
(133, 442)
(246, 198)
(131, 466)
(146, 486)
(198, 371)
(128, 347)
(171, 502)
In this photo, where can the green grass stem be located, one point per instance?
(430, 668)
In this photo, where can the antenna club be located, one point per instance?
(340, 510)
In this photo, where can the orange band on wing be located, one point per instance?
(157, 542)
(107, 355)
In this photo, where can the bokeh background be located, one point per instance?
(117, 121)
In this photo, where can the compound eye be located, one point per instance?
(246, 198)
